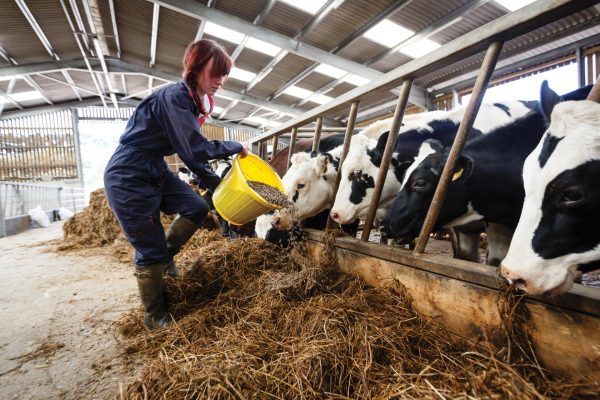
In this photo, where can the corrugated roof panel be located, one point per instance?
(175, 32)
(252, 60)
(473, 20)
(418, 15)
(284, 71)
(134, 20)
(57, 92)
(362, 50)
(247, 9)
(17, 37)
(315, 81)
(391, 62)
(51, 18)
(343, 22)
(286, 19)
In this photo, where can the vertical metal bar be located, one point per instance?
(75, 127)
(590, 69)
(291, 147)
(580, 67)
(347, 138)
(483, 79)
(2, 218)
(317, 138)
(275, 141)
(387, 156)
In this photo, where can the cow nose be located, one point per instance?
(275, 222)
(335, 216)
(513, 278)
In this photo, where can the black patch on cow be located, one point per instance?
(548, 148)
(503, 107)
(359, 188)
(295, 198)
(333, 160)
(570, 218)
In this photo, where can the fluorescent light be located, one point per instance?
(309, 6)
(223, 33)
(22, 96)
(221, 96)
(263, 47)
(217, 109)
(388, 33)
(241, 74)
(513, 5)
(320, 99)
(262, 121)
(298, 92)
(7, 78)
(420, 48)
(328, 70)
(356, 80)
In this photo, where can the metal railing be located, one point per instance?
(17, 198)
(489, 37)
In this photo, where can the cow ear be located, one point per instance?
(322, 164)
(548, 98)
(381, 142)
(299, 157)
(462, 169)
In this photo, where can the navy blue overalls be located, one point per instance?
(137, 180)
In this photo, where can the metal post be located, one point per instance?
(347, 138)
(387, 156)
(75, 120)
(579, 56)
(275, 141)
(483, 79)
(291, 147)
(317, 138)
(2, 220)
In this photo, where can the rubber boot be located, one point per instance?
(150, 285)
(179, 232)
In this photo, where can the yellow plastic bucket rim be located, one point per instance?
(252, 192)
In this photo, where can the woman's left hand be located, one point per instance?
(245, 151)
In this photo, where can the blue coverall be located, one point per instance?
(138, 182)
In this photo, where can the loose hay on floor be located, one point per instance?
(255, 321)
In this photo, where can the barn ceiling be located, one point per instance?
(290, 56)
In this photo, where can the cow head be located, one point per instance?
(557, 234)
(405, 217)
(358, 175)
(309, 183)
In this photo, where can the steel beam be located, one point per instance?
(113, 18)
(154, 38)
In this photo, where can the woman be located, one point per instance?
(139, 184)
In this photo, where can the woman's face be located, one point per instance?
(208, 84)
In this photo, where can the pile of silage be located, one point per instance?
(253, 321)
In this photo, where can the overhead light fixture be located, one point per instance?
(7, 78)
(320, 99)
(21, 96)
(309, 6)
(262, 47)
(420, 48)
(388, 33)
(241, 74)
(513, 5)
(356, 80)
(298, 92)
(223, 33)
(262, 121)
(331, 71)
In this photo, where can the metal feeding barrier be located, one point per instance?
(17, 198)
(489, 37)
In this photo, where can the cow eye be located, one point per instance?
(571, 197)
(419, 184)
(301, 185)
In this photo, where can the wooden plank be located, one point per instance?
(566, 342)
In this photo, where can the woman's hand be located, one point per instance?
(245, 151)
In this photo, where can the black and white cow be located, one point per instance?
(557, 236)
(486, 185)
(364, 158)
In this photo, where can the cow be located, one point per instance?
(486, 184)
(557, 236)
(361, 167)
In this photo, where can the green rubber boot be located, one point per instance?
(179, 232)
(150, 285)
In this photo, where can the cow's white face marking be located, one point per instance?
(577, 125)
(424, 151)
(470, 216)
(309, 182)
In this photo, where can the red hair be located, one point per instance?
(198, 54)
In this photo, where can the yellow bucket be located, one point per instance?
(237, 202)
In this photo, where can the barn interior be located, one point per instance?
(303, 70)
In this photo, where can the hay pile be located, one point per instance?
(252, 321)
